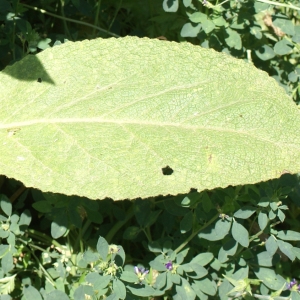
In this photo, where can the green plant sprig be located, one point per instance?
(70, 20)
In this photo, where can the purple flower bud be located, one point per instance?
(292, 283)
(169, 265)
(136, 270)
(140, 271)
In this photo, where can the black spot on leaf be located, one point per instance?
(167, 170)
(39, 80)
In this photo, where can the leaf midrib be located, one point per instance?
(58, 121)
(114, 121)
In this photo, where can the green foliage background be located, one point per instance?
(267, 35)
(247, 233)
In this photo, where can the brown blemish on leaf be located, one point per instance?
(13, 131)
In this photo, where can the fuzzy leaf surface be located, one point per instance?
(108, 117)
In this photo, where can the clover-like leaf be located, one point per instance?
(240, 234)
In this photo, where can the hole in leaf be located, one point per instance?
(39, 80)
(167, 170)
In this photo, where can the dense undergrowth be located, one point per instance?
(222, 244)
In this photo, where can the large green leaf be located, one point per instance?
(110, 118)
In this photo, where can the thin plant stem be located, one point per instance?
(38, 248)
(289, 5)
(96, 20)
(14, 38)
(265, 297)
(147, 234)
(116, 13)
(44, 237)
(62, 4)
(150, 8)
(223, 2)
(22, 188)
(70, 248)
(79, 241)
(270, 298)
(43, 269)
(261, 231)
(118, 225)
(70, 20)
(85, 226)
(195, 233)
(80, 235)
